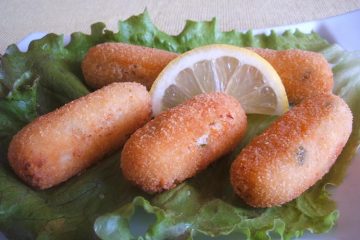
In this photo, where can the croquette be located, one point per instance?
(182, 141)
(62, 143)
(293, 153)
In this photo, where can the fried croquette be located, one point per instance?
(293, 153)
(304, 74)
(119, 62)
(60, 144)
(182, 141)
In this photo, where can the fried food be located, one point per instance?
(119, 62)
(182, 141)
(293, 153)
(60, 144)
(304, 74)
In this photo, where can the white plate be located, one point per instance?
(343, 30)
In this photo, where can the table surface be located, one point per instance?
(20, 18)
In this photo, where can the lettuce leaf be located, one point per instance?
(99, 202)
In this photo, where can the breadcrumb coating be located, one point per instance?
(119, 62)
(304, 74)
(182, 141)
(293, 153)
(60, 144)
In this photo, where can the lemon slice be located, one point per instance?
(221, 68)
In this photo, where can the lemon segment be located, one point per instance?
(236, 71)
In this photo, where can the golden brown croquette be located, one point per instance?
(182, 141)
(293, 153)
(304, 74)
(60, 144)
(119, 62)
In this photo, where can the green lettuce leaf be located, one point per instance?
(99, 202)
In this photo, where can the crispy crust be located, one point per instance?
(60, 144)
(304, 74)
(118, 62)
(182, 141)
(293, 153)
